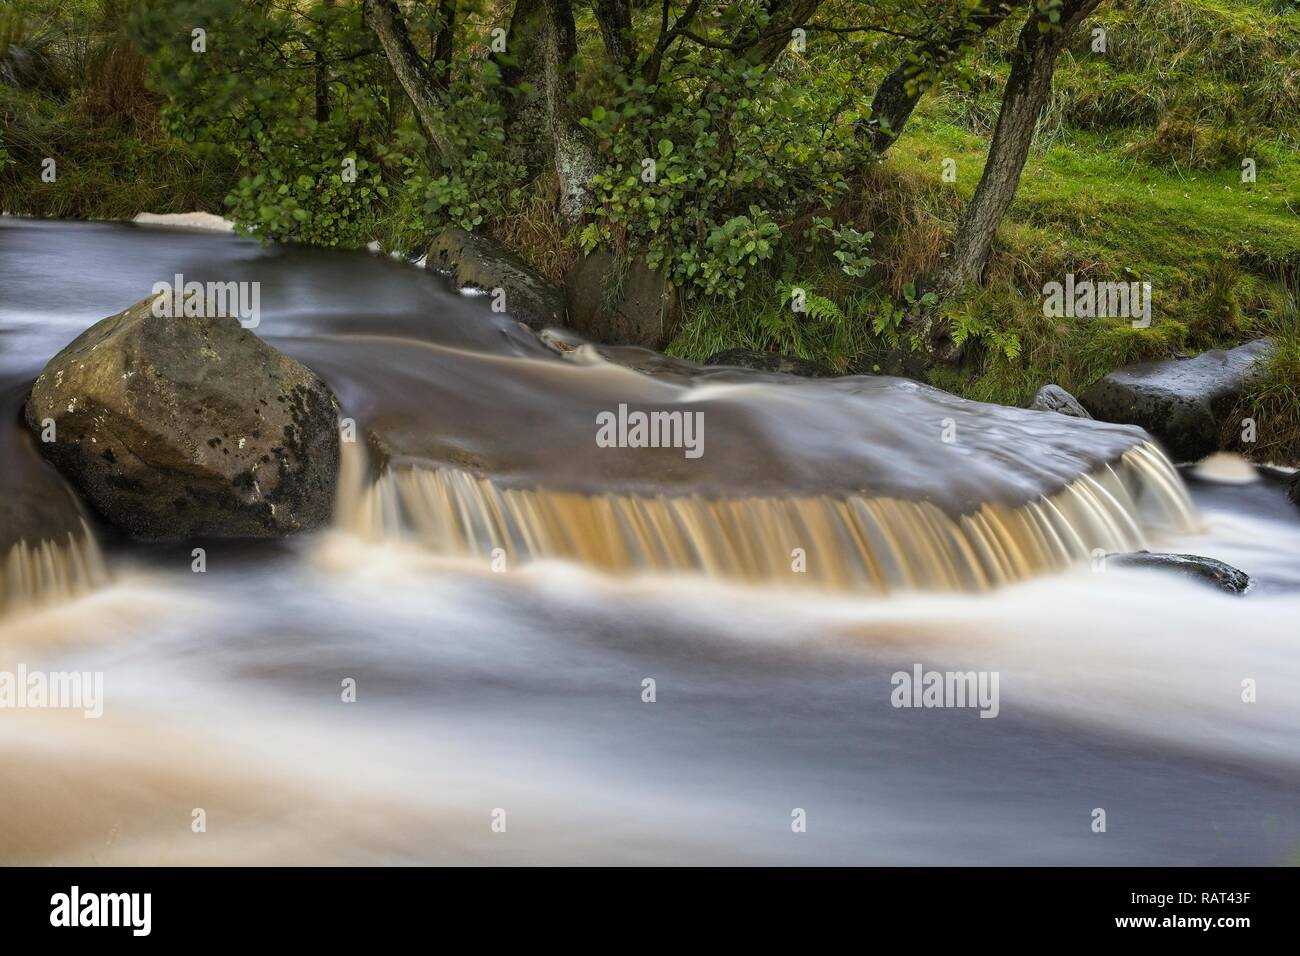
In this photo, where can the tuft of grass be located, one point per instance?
(537, 232)
(910, 211)
(1181, 143)
(1273, 398)
(762, 319)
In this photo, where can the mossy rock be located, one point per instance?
(621, 303)
(480, 263)
(1053, 398)
(181, 427)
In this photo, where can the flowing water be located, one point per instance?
(500, 587)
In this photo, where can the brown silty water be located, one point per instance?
(929, 530)
(476, 436)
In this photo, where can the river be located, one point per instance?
(499, 712)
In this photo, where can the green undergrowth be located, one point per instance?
(73, 91)
(1136, 175)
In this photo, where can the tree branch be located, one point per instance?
(654, 63)
(384, 18)
(900, 91)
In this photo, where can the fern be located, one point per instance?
(970, 327)
(816, 307)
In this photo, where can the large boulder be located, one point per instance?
(1053, 398)
(477, 262)
(179, 427)
(618, 302)
(1184, 403)
(769, 362)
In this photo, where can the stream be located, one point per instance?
(499, 589)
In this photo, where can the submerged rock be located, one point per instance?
(177, 427)
(477, 262)
(769, 362)
(1183, 403)
(621, 303)
(1053, 398)
(1223, 576)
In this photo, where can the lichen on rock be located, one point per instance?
(174, 427)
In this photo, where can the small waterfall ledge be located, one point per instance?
(47, 572)
(854, 543)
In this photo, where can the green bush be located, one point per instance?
(317, 194)
(701, 181)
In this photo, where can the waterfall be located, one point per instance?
(856, 543)
(49, 571)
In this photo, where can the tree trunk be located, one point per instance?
(323, 75)
(615, 20)
(1027, 87)
(443, 39)
(902, 89)
(384, 18)
(541, 124)
(575, 153)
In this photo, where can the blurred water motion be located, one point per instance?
(522, 691)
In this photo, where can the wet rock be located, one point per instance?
(1294, 492)
(47, 552)
(179, 427)
(477, 262)
(769, 362)
(1183, 403)
(621, 303)
(1223, 576)
(1053, 398)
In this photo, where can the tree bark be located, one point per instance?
(323, 75)
(541, 124)
(1028, 84)
(900, 91)
(443, 41)
(615, 20)
(384, 18)
(761, 44)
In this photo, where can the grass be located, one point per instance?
(103, 171)
(1135, 174)
(85, 104)
(1273, 399)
